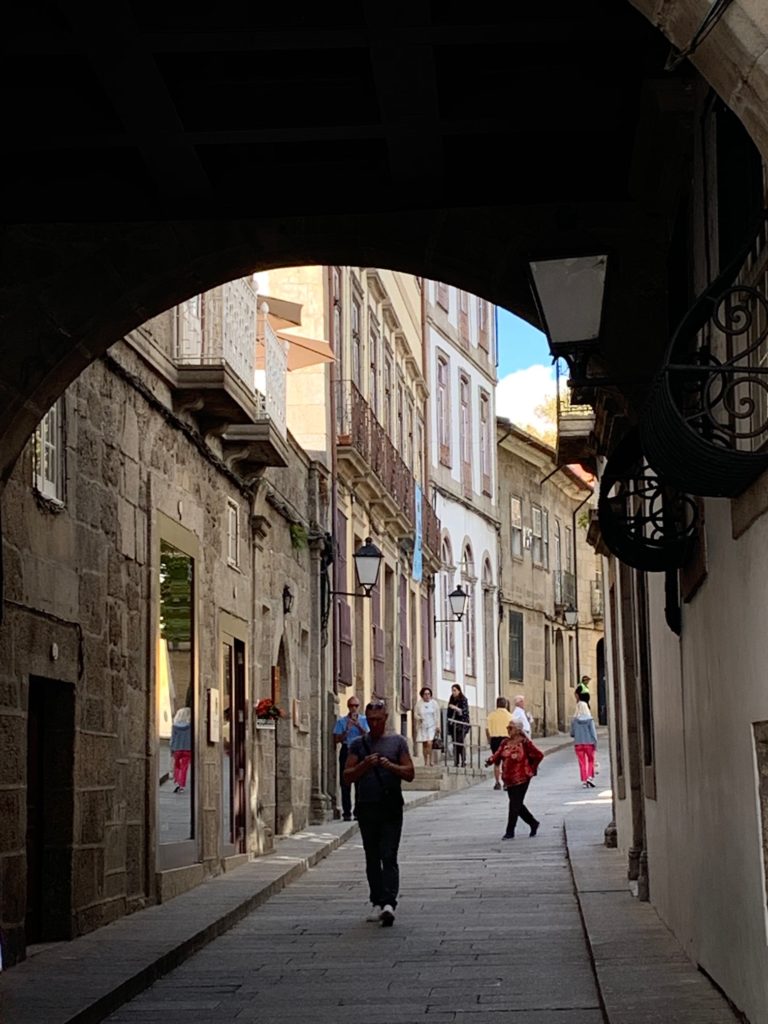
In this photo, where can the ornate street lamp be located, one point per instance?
(368, 559)
(457, 600)
(287, 600)
(569, 296)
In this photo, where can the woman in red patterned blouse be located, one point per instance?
(519, 762)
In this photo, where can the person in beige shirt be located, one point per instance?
(496, 731)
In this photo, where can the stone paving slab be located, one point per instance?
(521, 931)
(642, 971)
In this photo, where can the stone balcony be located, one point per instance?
(575, 432)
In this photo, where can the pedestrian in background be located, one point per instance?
(458, 724)
(520, 715)
(348, 728)
(427, 715)
(582, 690)
(520, 759)
(379, 763)
(584, 743)
(181, 747)
(496, 732)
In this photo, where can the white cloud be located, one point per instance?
(518, 394)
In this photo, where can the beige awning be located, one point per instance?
(301, 351)
(282, 313)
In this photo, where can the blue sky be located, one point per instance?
(520, 345)
(526, 373)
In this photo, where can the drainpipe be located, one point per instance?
(576, 583)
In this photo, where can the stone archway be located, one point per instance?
(731, 58)
(72, 288)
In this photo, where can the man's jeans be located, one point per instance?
(380, 828)
(346, 791)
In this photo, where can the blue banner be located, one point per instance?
(417, 500)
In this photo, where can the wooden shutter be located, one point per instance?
(442, 295)
(379, 673)
(464, 319)
(345, 643)
(405, 651)
(426, 642)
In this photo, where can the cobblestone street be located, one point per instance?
(486, 931)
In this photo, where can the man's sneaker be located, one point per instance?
(534, 828)
(374, 915)
(387, 916)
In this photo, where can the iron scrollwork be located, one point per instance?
(646, 523)
(705, 425)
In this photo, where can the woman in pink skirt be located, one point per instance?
(584, 743)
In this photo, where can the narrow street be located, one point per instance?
(486, 931)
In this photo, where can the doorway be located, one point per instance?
(560, 679)
(602, 690)
(50, 809)
(283, 729)
(233, 746)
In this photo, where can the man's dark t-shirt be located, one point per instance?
(370, 787)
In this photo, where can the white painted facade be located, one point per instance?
(705, 834)
(461, 362)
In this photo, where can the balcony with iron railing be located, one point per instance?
(564, 589)
(575, 428)
(214, 356)
(375, 468)
(250, 447)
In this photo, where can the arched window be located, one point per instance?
(468, 580)
(449, 635)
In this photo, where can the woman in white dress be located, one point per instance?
(427, 713)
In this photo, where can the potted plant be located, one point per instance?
(266, 713)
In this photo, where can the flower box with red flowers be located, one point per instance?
(267, 711)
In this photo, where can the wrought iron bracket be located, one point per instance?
(644, 522)
(705, 425)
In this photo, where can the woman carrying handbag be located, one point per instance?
(519, 759)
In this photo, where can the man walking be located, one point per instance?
(582, 690)
(348, 728)
(496, 731)
(520, 716)
(379, 763)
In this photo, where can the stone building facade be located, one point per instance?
(550, 609)
(367, 422)
(154, 529)
(460, 340)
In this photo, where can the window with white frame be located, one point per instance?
(233, 533)
(545, 538)
(444, 409)
(373, 346)
(537, 548)
(464, 318)
(469, 620)
(49, 454)
(483, 325)
(485, 441)
(568, 549)
(516, 526)
(357, 343)
(465, 433)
